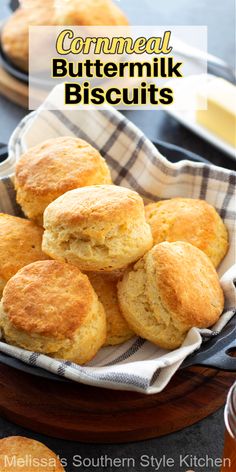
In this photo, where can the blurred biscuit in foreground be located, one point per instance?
(191, 220)
(105, 286)
(53, 167)
(50, 307)
(21, 454)
(97, 228)
(20, 244)
(170, 290)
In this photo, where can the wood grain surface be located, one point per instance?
(88, 414)
(13, 89)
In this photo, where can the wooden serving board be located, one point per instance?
(88, 414)
(13, 89)
(17, 91)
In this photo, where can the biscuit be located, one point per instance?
(105, 286)
(21, 454)
(191, 220)
(51, 307)
(172, 289)
(96, 228)
(53, 167)
(20, 244)
(89, 13)
(15, 33)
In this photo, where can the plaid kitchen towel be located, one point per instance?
(136, 365)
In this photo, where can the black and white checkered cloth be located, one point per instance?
(134, 162)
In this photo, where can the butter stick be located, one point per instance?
(220, 116)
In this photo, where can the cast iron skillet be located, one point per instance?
(12, 68)
(19, 74)
(217, 352)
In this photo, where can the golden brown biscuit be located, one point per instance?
(15, 34)
(20, 244)
(101, 227)
(191, 220)
(105, 286)
(172, 289)
(52, 168)
(36, 3)
(19, 454)
(89, 13)
(51, 307)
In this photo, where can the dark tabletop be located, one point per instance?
(205, 437)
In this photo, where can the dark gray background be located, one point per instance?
(205, 437)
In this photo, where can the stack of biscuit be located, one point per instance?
(96, 266)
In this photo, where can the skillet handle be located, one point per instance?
(218, 351)
(221, 360)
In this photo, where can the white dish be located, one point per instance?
(188, 118)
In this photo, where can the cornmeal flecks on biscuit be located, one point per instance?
(51, 307)
(191, 220)
(53, 167)
(173, 288)
(97, 228)
(105, 286)
(20, 244)
(19, 454)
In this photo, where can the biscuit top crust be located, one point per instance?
(177, 219)
(187, 282)
(20, 244)
(108, 203)
(19, 448)
(48, 298)
(58, 165)
(90, 12)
